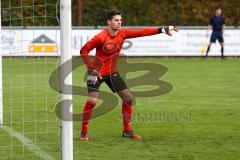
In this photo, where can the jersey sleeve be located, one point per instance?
(90, 45)
(133, 33)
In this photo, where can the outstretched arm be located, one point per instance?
(133, 33)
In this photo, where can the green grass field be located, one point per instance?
(198, 120)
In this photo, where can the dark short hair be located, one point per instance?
(111, 13)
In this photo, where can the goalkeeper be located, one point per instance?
(103, 68)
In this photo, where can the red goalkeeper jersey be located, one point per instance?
(108, 48)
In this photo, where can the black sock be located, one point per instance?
(208, 48)
(222, 51)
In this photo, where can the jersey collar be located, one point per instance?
(112, 35)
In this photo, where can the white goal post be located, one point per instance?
(65, 36)
(1, 89)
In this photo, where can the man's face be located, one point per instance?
(116, 22)
(218, 12)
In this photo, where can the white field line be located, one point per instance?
(28, 143)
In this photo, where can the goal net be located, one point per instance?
(30, 51)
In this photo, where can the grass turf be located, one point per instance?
(198, 119)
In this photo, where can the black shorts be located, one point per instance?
(216, 36)
(114, 81)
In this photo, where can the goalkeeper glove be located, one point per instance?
(168, 30)
(92, 77)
